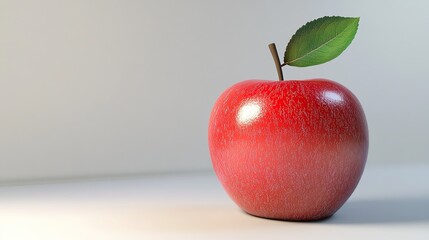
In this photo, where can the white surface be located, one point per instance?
(92, 87)
(391, 202)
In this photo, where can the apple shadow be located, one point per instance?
(379, 211)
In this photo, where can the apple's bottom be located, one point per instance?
(303, 219)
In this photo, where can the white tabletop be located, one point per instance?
(391, 202)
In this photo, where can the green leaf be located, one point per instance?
(320, 41)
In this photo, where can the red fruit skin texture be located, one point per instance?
(290, 150)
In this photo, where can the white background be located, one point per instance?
(90, 88)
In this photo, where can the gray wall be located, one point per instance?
(120, 87)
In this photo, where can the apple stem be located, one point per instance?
(275, 55)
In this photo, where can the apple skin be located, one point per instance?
(291, 150)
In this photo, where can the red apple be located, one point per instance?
(292, 150)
